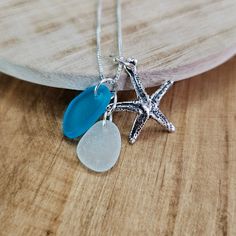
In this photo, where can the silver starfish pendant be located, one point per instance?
(145, 106)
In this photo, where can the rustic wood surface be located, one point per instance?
(165, 184)
(53, 42)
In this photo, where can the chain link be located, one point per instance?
(119, 40)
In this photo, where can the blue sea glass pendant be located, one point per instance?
(84, 110)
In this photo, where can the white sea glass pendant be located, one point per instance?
(99, 148)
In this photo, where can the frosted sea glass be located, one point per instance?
(100, 147)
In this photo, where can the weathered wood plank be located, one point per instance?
(53, 42)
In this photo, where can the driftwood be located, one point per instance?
(53, 42)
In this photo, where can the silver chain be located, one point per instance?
(119, 40)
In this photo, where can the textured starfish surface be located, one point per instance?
(145, 106)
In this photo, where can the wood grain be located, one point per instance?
(53, 42)
(165, 184)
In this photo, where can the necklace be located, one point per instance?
(100, 145)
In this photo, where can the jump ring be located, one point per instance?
(103, 81)
(110, 111)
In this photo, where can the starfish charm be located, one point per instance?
(146, 106)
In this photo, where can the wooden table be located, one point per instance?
(166, 184)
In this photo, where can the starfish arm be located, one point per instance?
(139, 123)
(157, 96)
(158, 116)
(132, 106)
(138, 86)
